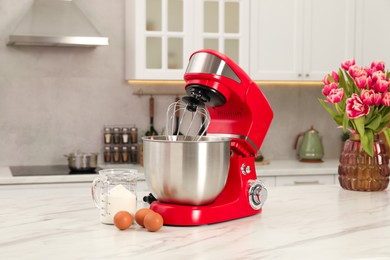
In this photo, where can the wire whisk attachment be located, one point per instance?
(186, 121)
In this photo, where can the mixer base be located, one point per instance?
(218, 211)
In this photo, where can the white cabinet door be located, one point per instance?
(162, 34)
(276, 39)
(328, 36)
(159, 38)
(223, 25)
(372, 34)
(300, 39)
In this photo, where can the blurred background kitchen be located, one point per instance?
(56, 100)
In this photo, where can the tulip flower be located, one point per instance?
(361, 82)
(334, 76)
(367, 96)
(377, 66)
(335, 95)
(325, 80)
(369, 71)
(347, 64)
(377, 75)
(381, 85)
(327, 88)
(377, 99)
(355, 107)
(356, 71)
(386, 99)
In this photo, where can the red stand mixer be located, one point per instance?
(238, 110)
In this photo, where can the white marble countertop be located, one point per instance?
(274, 168)
(59, 221)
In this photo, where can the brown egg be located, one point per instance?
(123, 220)
(153, 221)
(140, 215)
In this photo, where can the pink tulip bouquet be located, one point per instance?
(360, 99)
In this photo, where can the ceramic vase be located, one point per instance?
(360, 172)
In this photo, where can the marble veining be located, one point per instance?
(59, 221)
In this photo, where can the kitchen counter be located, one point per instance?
(274, 168)
(6, 177)
(59, 221)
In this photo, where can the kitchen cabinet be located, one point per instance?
(305, 180)
(300, 39)
(294, 172)
(162, 34)
(269, 181)
(372, 37)
(295, 180)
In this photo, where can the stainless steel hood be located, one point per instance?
(56, 23)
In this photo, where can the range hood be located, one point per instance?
(56, 23)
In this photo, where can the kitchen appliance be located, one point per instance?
(238, 111)
(79, 161)
(56, 23)
(310, 149)
(46, 170)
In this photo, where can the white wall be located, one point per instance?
(56, 100)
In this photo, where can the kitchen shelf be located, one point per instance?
(176, 87)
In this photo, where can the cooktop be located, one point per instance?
(46, 170)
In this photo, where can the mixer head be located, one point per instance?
(237, 107)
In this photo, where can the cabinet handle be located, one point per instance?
(307, 75)
(299, 75)
(306, 182)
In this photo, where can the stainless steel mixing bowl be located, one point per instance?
(186, 172)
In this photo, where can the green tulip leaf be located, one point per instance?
(367, 141)
(345, 122)
(386, 114)
(330, 111)
(359, 123)
(375, 122)
(386, 131)
(342, 82)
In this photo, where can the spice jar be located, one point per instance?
(133, 135)
(133, 153)
(125, 154)
(107, 154)
(107, 135)
(117, 136)
(125, 135)
(116, 154)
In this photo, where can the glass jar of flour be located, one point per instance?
(115, 190)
